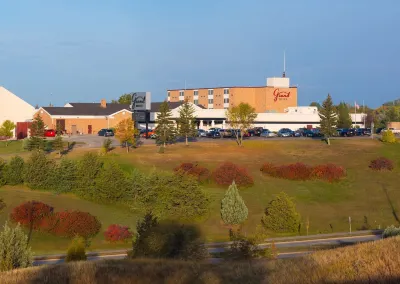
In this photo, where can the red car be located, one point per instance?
(50, 133)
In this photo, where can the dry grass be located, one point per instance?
(376, 262)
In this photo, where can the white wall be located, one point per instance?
(13, 108)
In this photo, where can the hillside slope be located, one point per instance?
(377, 262)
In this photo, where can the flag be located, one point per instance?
(356, 105)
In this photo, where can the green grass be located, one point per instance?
(12, 148)
(328, 206)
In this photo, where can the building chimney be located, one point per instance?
(103, 103)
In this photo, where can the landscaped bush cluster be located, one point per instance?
(39, 216)
(202, 174)
(389, 137)
(391, 231)
(117, 233)
(228, 172)
(300, 171)
(381, 164)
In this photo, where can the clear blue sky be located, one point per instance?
(65, 51)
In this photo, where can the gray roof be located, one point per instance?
(94, 109)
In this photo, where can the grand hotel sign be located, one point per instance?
(280, 95)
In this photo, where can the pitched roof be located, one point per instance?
(94, 109)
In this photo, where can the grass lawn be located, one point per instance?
(362, 194)
(13, 147)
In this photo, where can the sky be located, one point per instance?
(82, 51)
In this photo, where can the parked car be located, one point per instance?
(266, 133)
(201, 133)
(153, 136)
(213, 134)
(379, 130)
(394, 131)
(251, 133)
(297, 133)
(285, 132)
(367, 131)
(106, 132)
(258, 130)
(347, 132)
(149, 133)
(50, 133)
(227, 133)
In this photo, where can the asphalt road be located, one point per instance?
(289, 244)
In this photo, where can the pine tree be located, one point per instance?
(344, 118)
(233, 209)
(14, 249)
(13, 171)
(58, 145)
(328, 119)
(281, 215)
(187, 121)
(165, 129)
(65, 176)
(36, 141)
(114, 191)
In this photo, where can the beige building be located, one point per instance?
(276, 96)
(84, 118)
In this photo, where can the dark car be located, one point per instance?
(258, 131)
(213, 134)
(250, 133)
(363, 131)
(106, 132)
(379, 130)
(347, 132)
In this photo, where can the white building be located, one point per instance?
(293, 117)
(14, 108)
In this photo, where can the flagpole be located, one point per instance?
(364, 113)
(355, 114)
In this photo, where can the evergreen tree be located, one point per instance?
(116, 190)
(344, 118)
(36, 141)
(316, 104)
(14, 249)
(328, 119)
(58, 145)
(13, 171)
(65, 176)
(165, 129)
(38, 171)
(233, 209)
(88, 170)
(281, 216)
(3, 165)
(187, 121)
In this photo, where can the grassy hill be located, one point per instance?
(376, 262)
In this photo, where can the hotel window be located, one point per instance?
(210, 101)
(181, 93)
(226, 101)
(169, 94)
(195, 93)
(196, 102)
(226, 91)
(210, 92)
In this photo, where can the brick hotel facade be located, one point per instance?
(275, 97)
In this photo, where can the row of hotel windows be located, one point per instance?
(210, 101)
(196, 92)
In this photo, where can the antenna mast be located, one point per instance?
(284, 64)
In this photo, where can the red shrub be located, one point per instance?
(300, 171)
(31, 214)
(200, 173)
(116, 233)
(328, 172)
(228, 172)
(72, 223)
(381, 164)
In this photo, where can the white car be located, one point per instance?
(266, 133)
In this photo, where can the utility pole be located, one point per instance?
(350, 223)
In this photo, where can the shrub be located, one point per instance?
(170, 196)
(106, 146)
(38, 171)
(64, 178)
(228, 172)
(328, 172)
(233, 209)
(2, 204)
(88, 170)
(391, 231)
(381, 164)
(76, 250)
(200, 173)
(281, 215)
(117, 233)
(31, 214)
(166, 240)
(72, 223)
(111, 184)
(389, 137)
(13, 172)
(300, 171)
(247, 248)
(2, 174)
(14, 249)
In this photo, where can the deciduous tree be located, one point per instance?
(165, 129)
(328, 119)
(241, 118)
(125, 132)
(233, 209)
(7, 130)
(344, 118)
(124, 99)
(187, 121)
